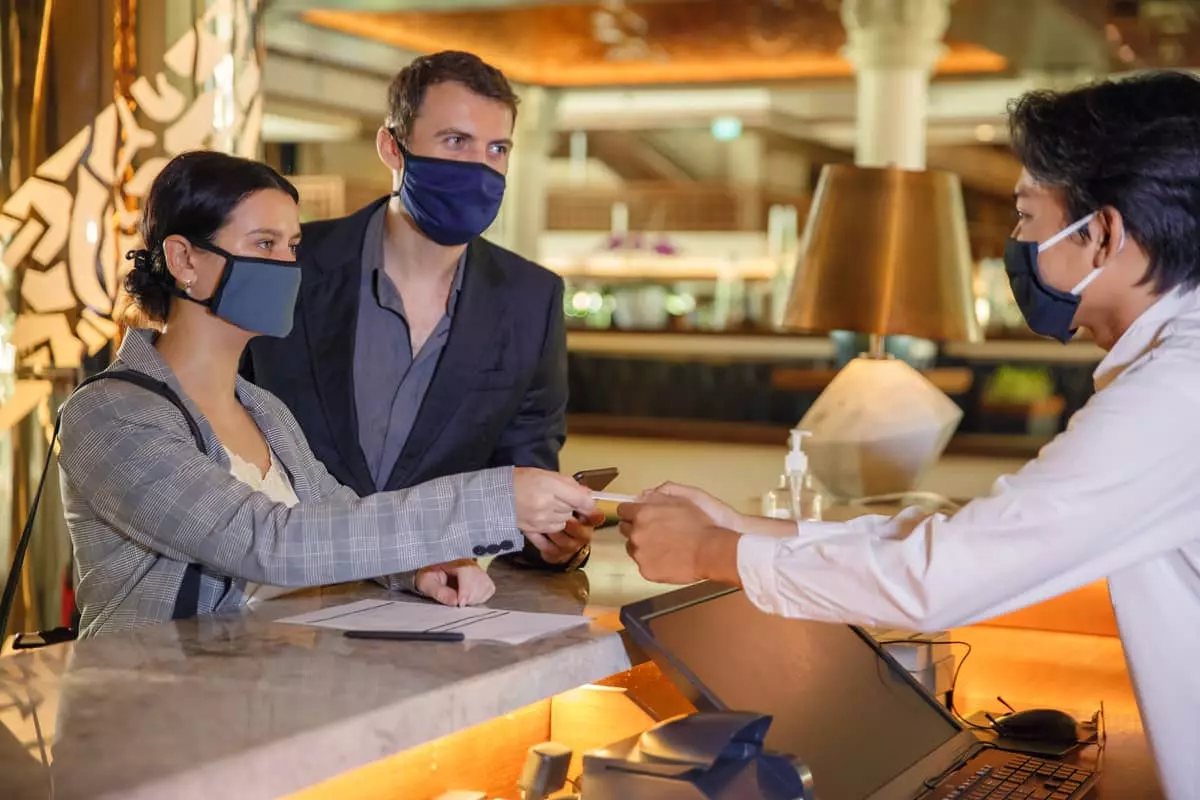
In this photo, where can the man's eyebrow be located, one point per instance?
(454, 132)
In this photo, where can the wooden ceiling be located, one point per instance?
(639, 42)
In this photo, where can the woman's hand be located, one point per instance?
(455, 583)
(546, 501)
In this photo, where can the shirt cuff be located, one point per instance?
(809, 532)
(756, 568)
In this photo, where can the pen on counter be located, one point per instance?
(408, 636)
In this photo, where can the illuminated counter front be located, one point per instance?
(246, 707)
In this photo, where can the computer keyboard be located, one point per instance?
(1021, 778)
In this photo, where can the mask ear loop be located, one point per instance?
(1065, 232)
(1095, 273)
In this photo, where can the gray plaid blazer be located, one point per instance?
(142, 502)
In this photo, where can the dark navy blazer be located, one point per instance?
(497, 398)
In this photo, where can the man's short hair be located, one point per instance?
(408, 88)
(1131, 144)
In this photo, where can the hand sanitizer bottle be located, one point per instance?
(806, 496)
(777, 503)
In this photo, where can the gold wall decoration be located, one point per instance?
(64, 230)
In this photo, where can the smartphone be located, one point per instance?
(597, 479)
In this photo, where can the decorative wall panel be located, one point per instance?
(65, 227)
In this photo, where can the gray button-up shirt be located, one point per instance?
(389, 382)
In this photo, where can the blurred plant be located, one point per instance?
(1018, 385)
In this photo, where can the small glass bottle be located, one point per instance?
(777, 502)
(805, 497)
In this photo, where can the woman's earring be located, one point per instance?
(187, 286)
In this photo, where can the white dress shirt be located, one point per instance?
(1116, 495)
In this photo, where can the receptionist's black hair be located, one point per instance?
(1130, 144)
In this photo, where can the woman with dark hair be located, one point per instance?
(1107, 238)
(177, 510)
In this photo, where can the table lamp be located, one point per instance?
(884, 251)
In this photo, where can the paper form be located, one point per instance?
(476, 624)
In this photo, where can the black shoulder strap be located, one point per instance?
(187, 601)
(157, 387)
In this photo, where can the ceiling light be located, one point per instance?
(725, 129)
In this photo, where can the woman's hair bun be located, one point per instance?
(149, 284)
(140, 258)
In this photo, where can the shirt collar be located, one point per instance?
(456, 284)
(377, 231)
(1144, 335)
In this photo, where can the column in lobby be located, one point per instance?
(523, 217)
(96, 97)
(894, 46)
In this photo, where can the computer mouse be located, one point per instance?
(1038, 724)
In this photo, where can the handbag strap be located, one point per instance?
(188, 599)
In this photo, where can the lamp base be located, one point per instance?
(877, 429)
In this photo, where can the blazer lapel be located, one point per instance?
(475, 332)
(330, 302)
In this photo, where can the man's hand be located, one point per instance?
(455, 583)
(574, 536)
(722, 515)
(673, 541)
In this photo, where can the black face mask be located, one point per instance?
(257, 295)
(1047, 311)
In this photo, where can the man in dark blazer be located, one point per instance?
(420, 349)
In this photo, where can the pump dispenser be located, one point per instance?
(796, 462)
(806, 496)
(798, 495)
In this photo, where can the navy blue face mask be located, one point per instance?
(449, 201)
(1047, 311)
(255, 294)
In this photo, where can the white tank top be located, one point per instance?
(275, 485)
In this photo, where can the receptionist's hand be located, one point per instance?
(673, 541)
(455, 583)
(721, 514)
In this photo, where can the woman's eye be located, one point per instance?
(294, 247)
(265, 244)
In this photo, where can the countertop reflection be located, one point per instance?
(258, 708)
